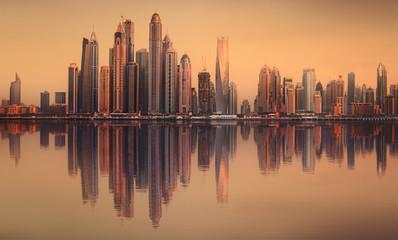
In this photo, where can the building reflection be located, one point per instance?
(155, 158)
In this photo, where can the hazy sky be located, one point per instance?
(39, 39)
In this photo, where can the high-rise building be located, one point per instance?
(245, 107)
(204, 92)
(358, 94)
(222, 75)
(15, 91)
(60, 97)
(94, 52)
(381, 90)
(129, 36)
(299, 97)
(155, 66)
(308, 84)
(166, 44)
(132, 89)
(44, 102)
(364, 89)
(85, 83)
(335, 95)
(5, 102)
(370, 96)
(171, 99)
(317, 102)
(73, 74)
(291, 101)
(142, 60)
(351, 87)
(275, 90)
(233, 99)
(389, 104)
(118, 70)
(212, 98)
(194, 101)
(184, 83)
(263, 98)
(105, 83)
(394, 92)
(286, 82)
(319, 88)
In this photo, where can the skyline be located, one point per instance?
(281, 44)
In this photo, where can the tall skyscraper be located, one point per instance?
(85, 81)
(212, 98)
(351, 87)
(44, 102)
(73, 74)
(166, 44)
(155, 66)
(309, 84)
(222, 75)
(184, 83)
(233, 99)
(94, 53)
(381, 90)
(118, 70)
(291, 101)
(370, 96)
(171, 99)
(335, 95)
(204, 92)
(105, 82)
(132, 88)
(364, 89)
(142, 60)
(299, 97)
(263, 98)
(275, 90)
(286, 82)
(129, 31)
(15, 91)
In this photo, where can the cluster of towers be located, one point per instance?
(308, 96)
(155, 82)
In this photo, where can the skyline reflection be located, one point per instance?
(156, 157)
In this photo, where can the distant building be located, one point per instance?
(119, 71)
(394, 92)
(335, 94)
(171, 96)
(381, 90)
(222, 75)
(132, 88)
(351, 87)
(104, 90)
(60, 97)
(299, 97)
(142, 60)
(361, 109)
(389, 105)
(308, 84)
(291, 101)
(318, 103)
(245, 107)
(204, 92)
(275, 90)
(286, 83)
(370, 96)
(5, 102)
(44, 102)
(336, 109)
(73, 75)
(184, 83)
(94, 56)
(233, 99)
(212, 98)
(364, 89)
(194, 101)
(263, 98)
(15, 91)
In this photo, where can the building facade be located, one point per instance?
(184, 82)
(118, 70)
(309, 84)
(142, 61)
(381, 90)
(222, 75)
(73, 74)
(15, 91)
(204, 92)
(105, 82)
(171, 90)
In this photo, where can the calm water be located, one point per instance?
(161, 180)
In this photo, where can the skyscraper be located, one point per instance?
(275, 90)
(232, 99)
(245, 107)
(184, 84)
(171, 81)
(299, 97)
(166, 44)
(94, 72)
(222, 75)
(263, 98)
(286, 82)
(73, 74)
(105, 82)
(15, 91)
(212, 98)
(155, 66)
(132, 88)
(118, 70)
(381, 90)
(85, 81)
(44, 102)
(204, 92)
(194, 101)
(309, 84)
(60, 98)
(142, 60)
(351, 87)
(129, 31)
(291, 100)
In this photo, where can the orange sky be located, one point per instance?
(39, 39)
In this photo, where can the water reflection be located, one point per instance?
(156, 157)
